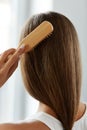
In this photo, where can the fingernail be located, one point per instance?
(22, 46)
(21, 49)
(19, 57)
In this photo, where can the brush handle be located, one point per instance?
(37, 35)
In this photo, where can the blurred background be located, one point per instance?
(15, 102)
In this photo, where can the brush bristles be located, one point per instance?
(37, 35)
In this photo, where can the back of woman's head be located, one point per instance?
(52, 70)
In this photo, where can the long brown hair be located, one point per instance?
(52, 70)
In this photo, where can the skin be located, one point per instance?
(80, 113)
(8, 63)
(37, 125)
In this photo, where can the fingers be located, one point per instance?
(9, 64)
(15, 57)
(4, 56)
(12, 69)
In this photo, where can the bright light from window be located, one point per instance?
(5, 18)
(39, 6)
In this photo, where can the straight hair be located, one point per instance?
(52, 70)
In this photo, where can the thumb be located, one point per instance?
(20, 50)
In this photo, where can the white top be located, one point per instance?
(55, 124)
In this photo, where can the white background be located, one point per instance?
(15, 103)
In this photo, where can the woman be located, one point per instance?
(52, 75)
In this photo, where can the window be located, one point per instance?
(15, 103)
(5, 20)
(5, 25)
(41, 6)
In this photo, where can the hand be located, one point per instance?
(9, 62)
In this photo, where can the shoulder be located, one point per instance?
(34, 125)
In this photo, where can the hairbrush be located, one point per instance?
(37, 35)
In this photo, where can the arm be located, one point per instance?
(8, 63)
(10, 126)
(34, 125)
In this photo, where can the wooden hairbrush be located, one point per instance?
(37, 35)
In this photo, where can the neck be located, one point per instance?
(47, 109)
(81, 111)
